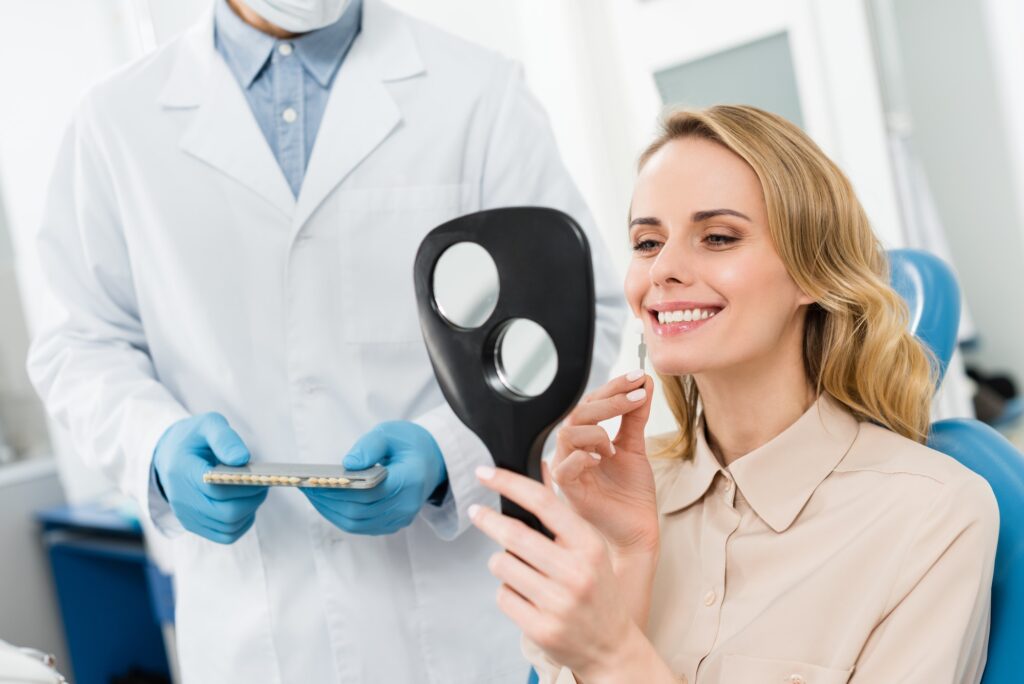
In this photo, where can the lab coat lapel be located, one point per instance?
(223, 132)
(360, 112)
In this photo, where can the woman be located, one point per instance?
(794, 529)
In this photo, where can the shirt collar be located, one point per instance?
(779, 477)
(322, 51)
(247, 49)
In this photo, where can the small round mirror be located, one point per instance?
(466, 284)
(526, 358)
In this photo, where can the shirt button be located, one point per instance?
(796, 679)
(289, 115)
(709, 598)
(285, 49)
(728, 486)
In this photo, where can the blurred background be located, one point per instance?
(921, 103)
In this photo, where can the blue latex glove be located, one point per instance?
(221, 513)
(415, 470)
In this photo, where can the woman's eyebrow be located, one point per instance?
(645, 221)
(699, 216)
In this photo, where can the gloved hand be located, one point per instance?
(221, 513)
(415, 470)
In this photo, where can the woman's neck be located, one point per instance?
(745, 408)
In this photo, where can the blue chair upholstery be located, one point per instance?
(930, 289)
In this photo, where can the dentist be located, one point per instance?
(230, 234)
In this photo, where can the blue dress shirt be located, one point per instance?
(286, 81)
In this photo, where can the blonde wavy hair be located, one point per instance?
(857, 344)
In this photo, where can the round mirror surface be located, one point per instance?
(466, 284)
(526, 358)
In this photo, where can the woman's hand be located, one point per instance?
(563, 593)
(610, 482)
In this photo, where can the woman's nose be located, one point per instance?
(672, 266)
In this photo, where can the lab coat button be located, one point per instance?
(289, 115)
(285, 49)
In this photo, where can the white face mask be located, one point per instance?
(299, 16)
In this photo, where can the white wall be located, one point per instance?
(963, 91)
(65, 46)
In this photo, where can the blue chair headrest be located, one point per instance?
(935, 318)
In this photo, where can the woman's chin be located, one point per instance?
(667, 367)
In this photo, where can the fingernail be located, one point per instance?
(634, 375)
(485, 472)
(637, 394)
(473, 511)
(613, 448)
(594, 455)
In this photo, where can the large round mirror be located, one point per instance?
(466, 284)
(526, 358)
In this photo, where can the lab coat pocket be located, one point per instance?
(751, 670)
(381, 229)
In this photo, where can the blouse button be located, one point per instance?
(709, 598)
(797, 679)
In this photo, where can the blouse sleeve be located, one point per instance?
(935, 626)
(548, 671)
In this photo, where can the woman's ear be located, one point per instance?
(805, 299)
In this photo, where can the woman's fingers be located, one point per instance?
(519, 610)
(570, 469)
(616, 397)
(524, 579)
(584, 438)
(528, 544)
(631, 430)
(554, 513)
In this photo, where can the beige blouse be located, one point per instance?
(837, 552)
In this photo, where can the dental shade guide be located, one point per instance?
(641, 348)
(295, 475)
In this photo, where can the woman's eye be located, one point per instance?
(719, 240)
(643, 246)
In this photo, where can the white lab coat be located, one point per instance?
(191, 280)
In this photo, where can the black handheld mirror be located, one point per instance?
(506, 306)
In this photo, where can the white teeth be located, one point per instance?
(685, 315)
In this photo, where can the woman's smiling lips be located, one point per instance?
(672, 318)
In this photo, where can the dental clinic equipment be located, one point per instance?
(511, 363)
(292, 475)
(641, 348)
(27, 666)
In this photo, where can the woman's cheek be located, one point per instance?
(635, 287)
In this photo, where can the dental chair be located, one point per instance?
(933, 297)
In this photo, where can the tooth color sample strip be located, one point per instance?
(295, 475)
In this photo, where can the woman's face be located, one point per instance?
(705, 277)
